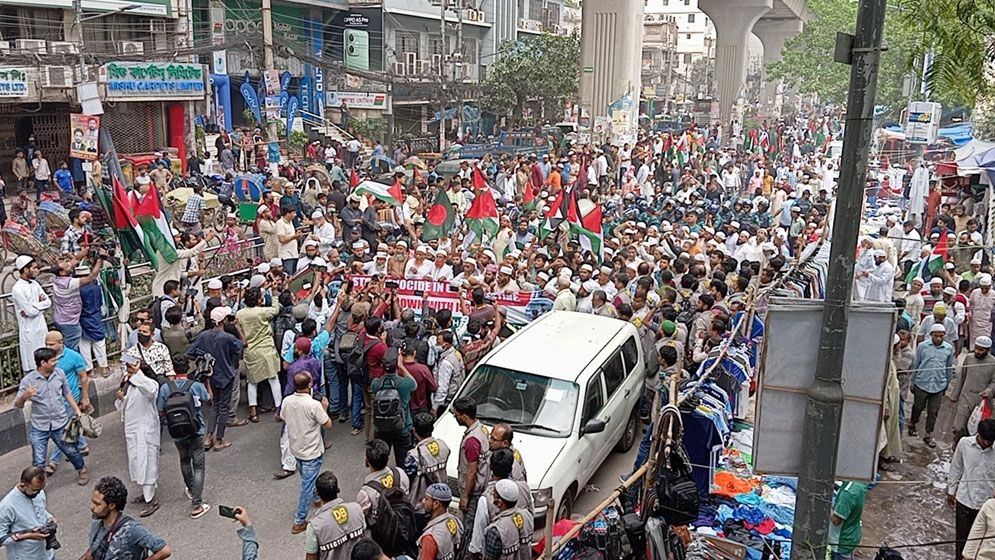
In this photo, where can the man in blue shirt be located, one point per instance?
(64, 178)
(23, 510)
(226, 350)
(74, 367)
(932, 370)
(92, 344)
(46, 387)
(191, 449)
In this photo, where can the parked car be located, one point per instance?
(568, 383)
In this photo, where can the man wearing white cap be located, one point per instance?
(441, 270)
(932, 370)
(418, 267)
(975, 380)
(881, 278)
(981, 301)
(511, 528)
(378, 266)
(506, 283)
(30, 303)
(323, 232)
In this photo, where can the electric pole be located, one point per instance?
(268, 64)
(824, 406)
(443, 77)
(459, 67)
(81, 41)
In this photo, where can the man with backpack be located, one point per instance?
(180, 402)
(384, 500)
(226, 350)
(304, 418)
(362, 355)
(392, 406)
(425, 464)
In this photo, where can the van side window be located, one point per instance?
(631, 353)
(614, 372)
(594, 399)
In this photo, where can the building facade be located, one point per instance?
(659, 62)
(695, 32)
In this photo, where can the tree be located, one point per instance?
(808, 66)
(544, 70)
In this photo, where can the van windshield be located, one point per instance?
(530, 403)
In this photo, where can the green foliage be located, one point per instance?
(298, 138)
(955, 31)
(249, 117)
(807, 60)
(544, 70)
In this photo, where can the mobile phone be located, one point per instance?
(454, 289)
(229, 512)
(419, 293)
(391, 285)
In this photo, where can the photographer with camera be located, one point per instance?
(27, 529)
(67, 306)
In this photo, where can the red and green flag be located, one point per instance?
(440, 218)
(589, 231)
(481, 217)
(379, 191)
(353, 179)
(479, 182)
(150, 215)
(932, 263)
(529, 198)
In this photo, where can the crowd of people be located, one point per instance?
(688, 238)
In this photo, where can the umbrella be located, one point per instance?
(415, 161)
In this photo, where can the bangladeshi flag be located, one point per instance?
(440, 218)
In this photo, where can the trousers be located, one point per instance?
(192, 466)
(930, 402)
(963, 520)
(218, 421)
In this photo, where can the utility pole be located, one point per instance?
(81, 41)
(443, 77)
(268, 64)
(824, 406)
(459, 67)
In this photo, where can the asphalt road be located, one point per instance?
(242, 475)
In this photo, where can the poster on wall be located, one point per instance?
(85, 131)
(356, 38)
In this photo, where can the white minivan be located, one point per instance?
(569, 384)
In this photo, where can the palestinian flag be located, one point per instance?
(479, 182)
(748, 141)
(353, 179)
(397, 191)
(529, 201)
(481, 218)
(589, 232)
(931, 264)
(158, 233)
(668, 143)
(682, 149)
(118, 206)
(554, 216)
(764, 143)
(440, 218)
(379, 191)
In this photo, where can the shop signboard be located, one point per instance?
(85, 132)
(13, 81)
(356, 38)
(356, 100)
(922, 123)
(154, 81)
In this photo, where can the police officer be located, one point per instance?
(337, 525)
(425, 464)
(501, 467)
(500, 438)
(443, 535)
(381, 477)
(509, 535)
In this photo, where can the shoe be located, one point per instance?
(356, 431)
(928, 440)
(298, 528)
(237, 422)
(199, 511)
(82, 477)
(343, 418)
(51, 468)
(150, 508)
(912, 432)
(221, 445)
(283, 473)
(187, 492)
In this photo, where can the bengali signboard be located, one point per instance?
(13, 81)
(356, 100)
(152, 81)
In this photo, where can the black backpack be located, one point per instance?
(393, 527)
(180, 411)
(355, 362)
(677, 495)
(156, 312)
(388, 409)
(283, 322)
(885, 553)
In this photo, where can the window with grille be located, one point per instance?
(435, 46)
(405, 42)
(552, 15)
(535, 10)
(469, 50)
(690, 18)
(30, 23)
(136, 127)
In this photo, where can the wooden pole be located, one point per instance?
(547, 531)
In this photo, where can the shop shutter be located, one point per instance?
(135, 127)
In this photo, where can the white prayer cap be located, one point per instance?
(985, 280)
(214, 284)
(983, 342)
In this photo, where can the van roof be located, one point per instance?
(564, 339)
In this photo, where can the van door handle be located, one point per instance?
(608, 419)
(626, 394)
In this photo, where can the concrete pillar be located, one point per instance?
(773, 33)
(733, 22)
(611, 53)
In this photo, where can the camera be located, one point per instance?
(51, 543)
(105, 251)
(390, 284)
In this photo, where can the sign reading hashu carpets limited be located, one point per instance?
(154, 80)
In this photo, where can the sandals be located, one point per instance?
(238, 422)
(209, 445)
(50, 469)
(199, 511)
(282, 474)
(222, 445)
(254, 418)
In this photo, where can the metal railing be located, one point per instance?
(220, 260)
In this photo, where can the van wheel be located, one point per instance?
(566, 505)
(629, 435)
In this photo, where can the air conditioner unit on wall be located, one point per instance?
(471, 15)
(62, 47)
(4, 47)
(131, 47)
(30, 45)
(437, 61)
(400, 68)
(425, 67)
(57, 77)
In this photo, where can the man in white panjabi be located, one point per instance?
(30, 303)
(136, 402)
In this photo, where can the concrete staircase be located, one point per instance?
(331, 131)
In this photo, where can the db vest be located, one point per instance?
(338, 526)
(431, 456)
(447, 532)
(479, 432)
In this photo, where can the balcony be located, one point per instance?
(530, 25)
